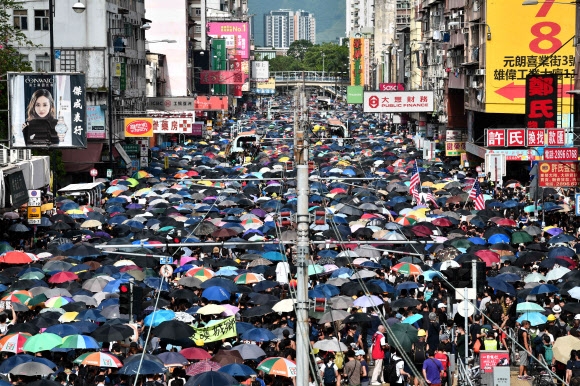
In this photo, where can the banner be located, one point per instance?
(216, 332)
(357, 61)
(47, 110)
(211, 103)
(236, 36)
(96, 123)
(172, 125)
(219, 62)
(260, 71)
(138, 127)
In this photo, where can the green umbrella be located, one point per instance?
(5, 248)
(402, 336)
(531, 208)
(35, 275)
(521, 237)
(529, 307)
(314, 269)
(535, 278)
(38, 299)
(461, 243)
(42, 342)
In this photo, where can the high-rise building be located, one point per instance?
(284, 26)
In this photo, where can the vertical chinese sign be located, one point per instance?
(541, 100)
(219, 62)
(357, 62)
(543, 46)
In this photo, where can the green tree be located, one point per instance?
(285, 63)
(10, 58)
(298, 49)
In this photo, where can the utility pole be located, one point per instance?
(303, 242)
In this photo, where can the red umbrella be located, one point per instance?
(488, 256)
(202, 367)
(16, 257)
(421, 231)
(63, 277)
(195, 353)
(572, 263)
(442, 222)
(505, 222)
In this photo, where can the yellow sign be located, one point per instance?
(538, 38)
(454, 149)
(359, 50)
(225, 328)
(117, 69)
(33, 212)
(269, 84)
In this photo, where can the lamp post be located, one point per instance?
(323, 55)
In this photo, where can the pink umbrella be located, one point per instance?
(63, 277)
(202, 367)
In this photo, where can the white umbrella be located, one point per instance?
(556, 273)
(574, 292)
(285, 305)
(330, 345)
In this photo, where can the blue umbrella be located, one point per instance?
(314, 294)
(212, 378)
(328, 253)
(264, 285)
(147, 367)
(216, 293)
(155, 282)
(156, 318)
(509, 277)
(63, 330)
(429, 275)
(258, 335)
(237, 370)
(543, 289)
(477, 240)
(242, 327)
(406, 285)
(113, 285)
(535, 318)
(413, 318)
(498, 238)
(274, 256)
(500, 285)
(561, 238)
(561, 251)
(384, 286)
(92, 315)
(10, 363)
(329, 289)
(84, 327)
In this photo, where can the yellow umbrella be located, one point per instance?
(427, 183)
(284, 159)
(211, 309)
(316, 128)
(419, 213)
(68, 317)
(205, 182)
(75, 211)
(439, 186)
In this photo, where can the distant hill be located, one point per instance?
(329, 14)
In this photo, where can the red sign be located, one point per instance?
(556, 137)
(555, 174)
(221, 77)
(496, 138)
(94, 172)
(516, 137)
(490, 359)
(561, 154)
(138, 127)
(211, 103)
(541, 100)
(536, 137)
(391, 87)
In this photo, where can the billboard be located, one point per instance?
(221, 77)
(354, 94)
(138, 127)
(172, 125)
(542, 31)
(559, 174)
(541, 100)
(47, 110)
(170, 103)
(96, 123)
(236, 35)
(397, 101)
(260, 70)
(211, 103)
(391, 86)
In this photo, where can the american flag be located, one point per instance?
(431, 198)
(476, 195)
(415, 183)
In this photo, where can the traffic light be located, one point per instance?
(137, 300)
(125, 298)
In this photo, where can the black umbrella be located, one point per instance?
(404, 302)
(183, 294)
(354, 288)
(110, 333)
(174, 331)
(356, 318)
(23, 327)
(257, 311)
(220, 282)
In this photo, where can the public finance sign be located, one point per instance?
(47, 110)
(542, 31)
(398, 101)
(559, 174)
(170, 103)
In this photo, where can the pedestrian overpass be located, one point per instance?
(331, 83)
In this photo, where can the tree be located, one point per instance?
(298, 49)
(10, 58)
(285, 63)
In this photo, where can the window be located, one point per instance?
(197, 11)
(20, 19)
(197, 29)
(42, 64)
(41, 20)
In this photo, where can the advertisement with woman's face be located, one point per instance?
(47, 110)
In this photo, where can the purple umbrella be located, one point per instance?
(259, 212)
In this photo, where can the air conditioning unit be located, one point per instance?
(4, 157)
(465, 30)
(440, 52)
(480, 72)
(24, 154)
(460, 12)
(13, 156)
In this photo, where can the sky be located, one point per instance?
(329, 14)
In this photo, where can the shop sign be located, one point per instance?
(559, 174)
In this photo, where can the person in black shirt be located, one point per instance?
(573, 367)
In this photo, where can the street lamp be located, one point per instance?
(323, 55)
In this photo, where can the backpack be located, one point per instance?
(548, 354)
(329, 376)
(419, 352)
(495, 313)
(339, 360)
(390, 374)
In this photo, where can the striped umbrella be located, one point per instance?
(14, 342)
(249, 278)
(79, 342)
(405, 221)
(99, 359)
(408, 269)
(278, 366)
(57, 301)
(20, 296)
(201, 273)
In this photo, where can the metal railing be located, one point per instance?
(309, 76)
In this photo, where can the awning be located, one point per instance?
(82, 160)
(80, 187)
(511, 154)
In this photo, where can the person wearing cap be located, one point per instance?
(364, 370)
(490, 341)
(419, 350)
(442, 313)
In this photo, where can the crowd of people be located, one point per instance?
(383, 271)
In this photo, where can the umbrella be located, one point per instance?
(237, 370)
(249, 351)
(227, 357)
(368, 301)
(42, 342)
(195, 353)
(529, 307)
(31, 369)
(402, 335)
(543, 289)
(278, 366)
(535, 318)
(99, 359)
(258, 335)
(12, 361)
(144, 366)
(212, 378)
(563, 346)
(330, 345)
(333, 316)
(112, 333)
(173, 331)
(156, 318)
(13, 342)
(202, 367)
(413, 319)
(173, 359)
